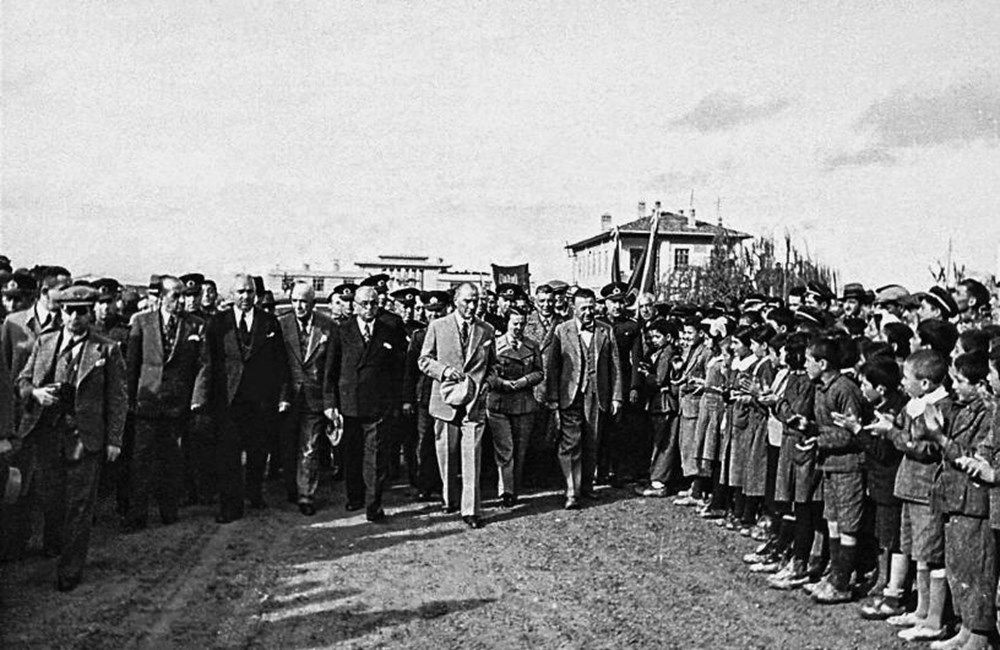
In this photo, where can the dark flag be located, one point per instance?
(518, 275)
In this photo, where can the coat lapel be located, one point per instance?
(46, 356)
(475, 338)
(88, 359)
(179, 336)
(314, 336)
(290, 329)
(257, 332)
(577, 347)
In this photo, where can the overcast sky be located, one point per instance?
(177, 136)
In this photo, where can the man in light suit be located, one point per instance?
(458, 354)
(307, 400)
(166, 357)
(21, 329)
(583, 381)
(248, 365)
(73, 389)
(364, 369)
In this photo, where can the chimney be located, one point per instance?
(642, 209)
(691, 220)
(656, 208)
(305, 267)
(605, 222)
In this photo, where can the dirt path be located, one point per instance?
(622, 572)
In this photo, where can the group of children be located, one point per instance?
(863, 465)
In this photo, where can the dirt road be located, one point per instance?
(623, 572)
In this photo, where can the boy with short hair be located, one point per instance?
(970, 550)
(880, 379)
(921, 530)
(840, 458)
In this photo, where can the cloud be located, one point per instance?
(962, 112)
(721, 110)
(862, 158)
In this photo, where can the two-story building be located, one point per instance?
(682, 241)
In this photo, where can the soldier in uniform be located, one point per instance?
(192, 293)
(209, 298)
(540, 461)
(618, 456)
(417, 398)
(507, 294)
(403, 447)
(167, 356)
(73, 388)
(19, 292)
(344, 295)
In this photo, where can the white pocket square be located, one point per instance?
(194, 337)
(269, 335)
(99, 363)
(387, 346)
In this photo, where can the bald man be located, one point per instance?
(248, 365)
(307, 400)
(364, 370)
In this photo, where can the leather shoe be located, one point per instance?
(67, 584)
(572, 503)
(377, 516)
(307, 509)
(351, 507)
(424, 497)
(449, 510)
(590, 495)
(507, 500)
(472, 521)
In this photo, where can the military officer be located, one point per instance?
(343, 294)
(617, 459)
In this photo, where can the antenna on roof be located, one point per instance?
(718, 210)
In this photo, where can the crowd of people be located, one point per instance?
(852, 436)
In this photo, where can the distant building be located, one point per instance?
(419, 271)
(682, 240)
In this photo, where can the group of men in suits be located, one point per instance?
(183, 376)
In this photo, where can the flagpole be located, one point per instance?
(653, 227)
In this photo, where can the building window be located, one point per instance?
(634, 256)
(318, 284)
(682, 257)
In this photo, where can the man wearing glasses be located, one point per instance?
(74, 396)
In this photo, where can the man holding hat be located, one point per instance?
(417, 397)
(306, 397)
(74, 391)
(459, 352)
(364, 370)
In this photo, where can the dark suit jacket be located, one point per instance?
(256, 378)
(366, 380)
(565, 365)
(307, 376)
(416, 385)
(161, 383)
(101, 395)
(658, 384)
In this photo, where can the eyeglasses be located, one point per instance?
(76, 309)
(366, 303)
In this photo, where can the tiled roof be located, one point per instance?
(670, 224)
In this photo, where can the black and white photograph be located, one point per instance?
(596, 324)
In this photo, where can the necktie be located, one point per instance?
(64, 365)
(244, 330)
(303, 336)
(367, 333)
(465, 336)
(171, 332)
